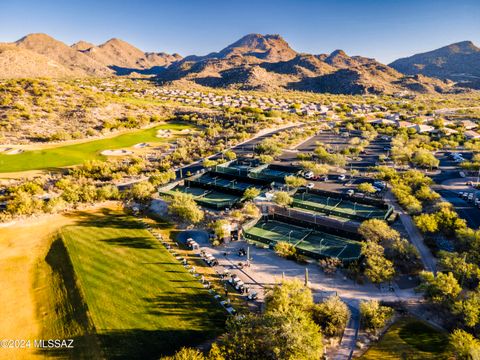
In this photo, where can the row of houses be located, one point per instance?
(468, 125)
(262, 102)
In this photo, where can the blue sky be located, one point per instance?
(385, 30)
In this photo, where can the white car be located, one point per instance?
(308, 175)
(341, 177)
(350, 192)
(310, 185)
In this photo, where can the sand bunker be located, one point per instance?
(14, 152)
(116, 152)
(163, 133)
(141, 146)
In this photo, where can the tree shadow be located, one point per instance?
(199, 308)
(105, 218)
(136, 242)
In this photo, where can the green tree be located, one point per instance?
(251, 193)
(251, 210)
(230, 155)
(285, 249)
(469, 309)
(186, 354)
(285, 331)
(426, 223)
(221, 228)
(282, 198)
(295, 181)
(332, 315)
(366, 188)
(442, 288)
(184, 206)
(142, 191)
(378, 231)
(374, 316)
(465, 345)
(162, 177)
(378, 269)
(289, 295)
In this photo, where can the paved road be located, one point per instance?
(244, 148)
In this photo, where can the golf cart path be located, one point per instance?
(350, 334)
(416, 238)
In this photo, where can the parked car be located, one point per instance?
(470, 197)
(380, 184)
(310, 185)
(308, 175)
(350, 192)
(341, 177)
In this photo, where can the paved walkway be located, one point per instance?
(350, 335)
(267, 269)
(416, 238)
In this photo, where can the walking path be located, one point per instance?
(428, 260)
(350, 335)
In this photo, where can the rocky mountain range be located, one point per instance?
(255, 62)
(459, 62)
(267, 62)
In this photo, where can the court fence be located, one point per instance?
(386, 209)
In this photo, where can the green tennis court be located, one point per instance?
(218, 181)
(188, 190)
(219, 198)
(210, 198)
(338, 206)
(270, 174)
(331, 246)
(277, 231)
(310, 242)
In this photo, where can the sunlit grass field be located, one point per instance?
(410, 338)
(68, 155)
(141, 300)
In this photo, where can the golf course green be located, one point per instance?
(142, 302)
(68, 155)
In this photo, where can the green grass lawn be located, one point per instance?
(141, 300)
(68, 155)
(410, 338)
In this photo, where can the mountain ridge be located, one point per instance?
(458, 62)
(253, 62)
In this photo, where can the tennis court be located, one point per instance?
(210, 198)
(219, 199)
(222, 182)
(338, 206)
(270, 174)
(196, 192)
(277, 231)
(331, 246)
(310, 242)
(233, 169)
